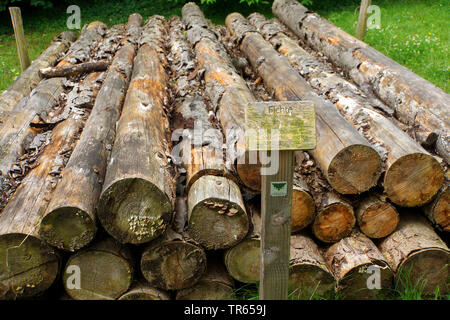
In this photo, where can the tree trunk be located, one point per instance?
(349, 163)
(174, 261)
(416, 101)
(309, 275)
(438, 210)
(417, 255)
(68, 71)
(216, 284)
(227, 91)
(143, 291)
(407, 164)
(104, 271)
(70, 220)
(217, 216)
(29, 79)
(376, 217)
(335, 218)
(136, 203)
(360, 269)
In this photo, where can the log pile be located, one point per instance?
(125, 151)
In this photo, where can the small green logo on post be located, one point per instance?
(278, 189)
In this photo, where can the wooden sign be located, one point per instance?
(280, 125)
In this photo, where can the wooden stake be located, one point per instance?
(361, 27)
(22, 51)
(276, 229)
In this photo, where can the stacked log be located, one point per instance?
(102, 272)
(217, 216)
(438, 210)
(142, 291)
(361, 271)
(70, 221)
(415, 101)
(136, 202)
(419, 258)
(406, 163)
(30, 78)
(346, 158)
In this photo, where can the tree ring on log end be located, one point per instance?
(243, 261)
(413, 180)
(309, 280)
(378, 220)
(334, 222)
(250, 175)
(214, 230)
(428, 268)
(134, 210)
(357, 283)
(28, 266)
(68, 228)
(103, 275)
(354, 169)
(173, 265)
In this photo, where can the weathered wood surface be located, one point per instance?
(348, 161)
(68, 71)
(105, 272)
(438, 210)
(143, 291)
(415, 101)
(22, 51)
(355, 261)
(174, 261)
(216, 284)
(70, 220)
(217, 216)
(29, 79)
(335, 218)
(137, 199)
(406, 163)
(376, 217)
(227, 91)
(417, 255)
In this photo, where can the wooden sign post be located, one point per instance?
(281, 127)
(16, 19)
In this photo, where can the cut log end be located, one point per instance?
(354, 169)
(68, 228)
(250, 175)
(413, 180)
(303, 210)
(217, 223)
(309, 280)
(439, 210)
(174, 265)
(145, 292)
(134, 210)
(378, 220)
(334, 222)
(243, 261)
(27, 266)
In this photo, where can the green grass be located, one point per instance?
(413, 32)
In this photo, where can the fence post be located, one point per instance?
(362, 19)
(22, 51)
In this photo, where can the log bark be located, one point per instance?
(70, 220)
(216, 284)
(174, 261)
(350, 164)
(335, 218)
(417, 255)
(16, 130)
(105, 272)
(353, 261)
(438, 210)
(309, 275)
(406, 163)
(29, 79)
(68, 71)
(142, 291)
(228, 92)
(217, 216)
(136, 202)
(416, 101)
